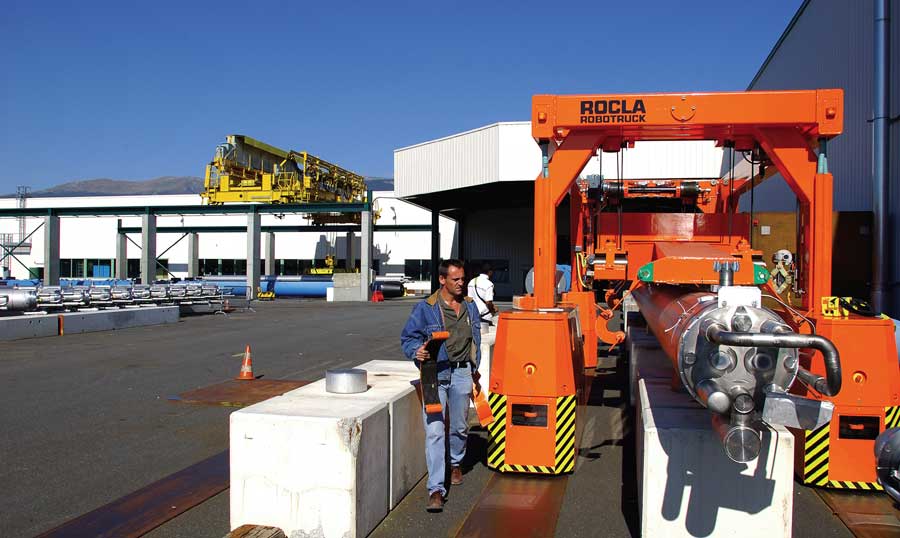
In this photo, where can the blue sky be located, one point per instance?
(135, 91)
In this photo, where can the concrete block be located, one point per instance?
(659, 394)
(346, 280)
(346, 294)
(400, 366)
(107, 320)
(346, 287)
(311, 466)
(21, 326)
(688, 487)
(650, 361)
(394, 383)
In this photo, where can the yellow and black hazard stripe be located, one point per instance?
(565, 438)
(816, 455)
(565, 434)
(497, 431)
(892, 417)
(862, 486)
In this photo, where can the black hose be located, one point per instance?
(829, 387)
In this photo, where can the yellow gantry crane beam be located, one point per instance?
(248, 170)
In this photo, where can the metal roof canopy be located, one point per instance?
(231, 209)
(496, 195)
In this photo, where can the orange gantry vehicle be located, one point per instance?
(680, 248)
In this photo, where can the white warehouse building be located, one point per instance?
(88, 243)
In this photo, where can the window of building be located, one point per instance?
(215, 267)
(134, 268)
(98, 268)
(162, 269)
(209, 267)
(417, 269)
(290, 267)
(77, 268)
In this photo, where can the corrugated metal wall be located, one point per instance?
(502, 234)
(831, 46)
(506, 152)
(454, 162)
(893, 286)
(698, 159)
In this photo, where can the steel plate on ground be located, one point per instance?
(138, 513)
(238, 393)
(870, 514)
(516, 505)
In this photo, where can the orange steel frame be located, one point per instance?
(787, 126)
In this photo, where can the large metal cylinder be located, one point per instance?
(729, 380)
(15, 299)
(715, 374)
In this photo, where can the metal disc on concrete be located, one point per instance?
(346, 380)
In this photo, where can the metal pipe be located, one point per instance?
(740, 440)
(822, 164)
(880, 152)
(829, 387)
(726, 272)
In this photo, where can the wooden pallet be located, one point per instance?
(255, 531)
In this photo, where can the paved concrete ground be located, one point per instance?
(601, 496)
(86, 421)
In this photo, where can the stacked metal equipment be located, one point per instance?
(35, 298)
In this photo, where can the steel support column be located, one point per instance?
(435, 248)
(460, 238)
(121, 254)
(253, 250)
(51, 250)
(193, 255)
(350, 264)
(270, 254)
(148, 248)
(365, 256)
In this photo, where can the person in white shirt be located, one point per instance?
(481, 290)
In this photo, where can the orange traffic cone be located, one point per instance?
(246, 367)
(377, 296)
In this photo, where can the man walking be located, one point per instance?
(481, 290)
(446, 310)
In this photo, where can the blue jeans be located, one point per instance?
(455, 395)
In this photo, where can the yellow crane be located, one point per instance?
(248, 170)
